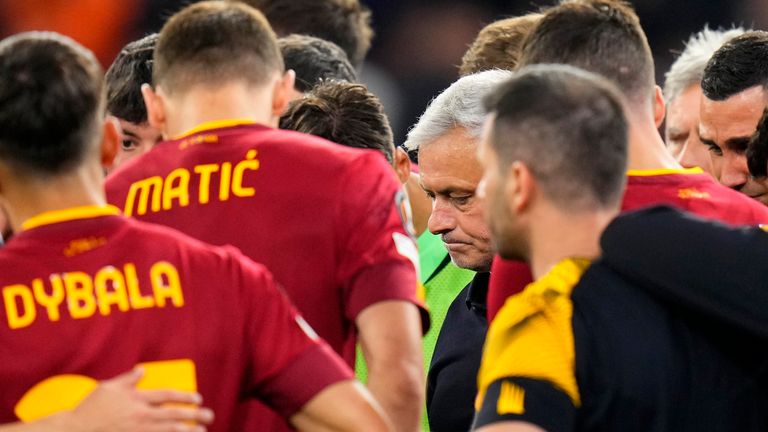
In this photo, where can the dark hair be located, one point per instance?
(498, 45)
(757, 150)
(739, 64)
(212, 42)
(347, 23)
(315, 59)
(51, 103)
(568, 127)
(601, 36)
(344, 113)
(131, 68)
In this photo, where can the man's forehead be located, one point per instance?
(449, 170)
(733, 117)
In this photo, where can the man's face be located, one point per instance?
(136, 140)
(725, 127)
(682, 131)
(491, 192)
(449, 174)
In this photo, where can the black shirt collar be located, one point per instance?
(477, 294)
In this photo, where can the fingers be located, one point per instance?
(159, 397)
(181, 414)
(128, 379)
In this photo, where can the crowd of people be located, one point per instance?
(220, 233)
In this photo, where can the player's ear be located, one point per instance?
(110, 141)
(153, 101)
(402, 165)
(282, 94)
(519, 188)
(659, 107)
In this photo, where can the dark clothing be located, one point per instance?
(452, 378)
(669, 330)
(686, 252)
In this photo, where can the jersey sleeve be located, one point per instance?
(378, 258)
(288, 363)
(533, 401)
(528, 367)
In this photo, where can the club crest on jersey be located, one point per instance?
(403, 206)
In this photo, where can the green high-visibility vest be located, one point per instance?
(442, 282)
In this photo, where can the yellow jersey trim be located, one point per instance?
(215, 124)
(532, 336)
(666, 171)
(73, 213)
(511, 399)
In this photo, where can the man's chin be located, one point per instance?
(479, 265)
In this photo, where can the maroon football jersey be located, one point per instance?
(325, 219)
(321, 217)
(88, 294)
(690, 189)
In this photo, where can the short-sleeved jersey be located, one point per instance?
(88, 294)
(691, 190)
(323, 218)
(592, 350)
(443, 283)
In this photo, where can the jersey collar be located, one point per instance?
(69, 214)
(665, 171)
(560, 278)
(215, 124)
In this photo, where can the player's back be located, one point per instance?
(690, 190)
(629, 343)
(682, 317)
(320, 216)
(646, 364)
(89, 294)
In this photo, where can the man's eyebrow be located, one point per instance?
(129, 133)
(454, 189)
(678, 132)
(737, 142)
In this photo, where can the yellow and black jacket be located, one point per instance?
(668, 331)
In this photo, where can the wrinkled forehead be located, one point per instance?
(736, 116)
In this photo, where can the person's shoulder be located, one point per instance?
(532, 335)
(735, 200)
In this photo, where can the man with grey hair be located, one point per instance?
(682, 91)
(446, 138)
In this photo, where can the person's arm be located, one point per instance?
(511, 426)
(342, 407)
(116, 406)
(389, 335)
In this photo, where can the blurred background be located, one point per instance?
(418, 43)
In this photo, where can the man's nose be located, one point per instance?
(442, 219)
(734, 172)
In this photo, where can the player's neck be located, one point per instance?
(558, 235)
(30, 197)
(646, 147)
(228, 101)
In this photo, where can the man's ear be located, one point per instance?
(520, 187)
(110, 141)
(154, 103)
(283, 93)
(659, 107)
(402, 165)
